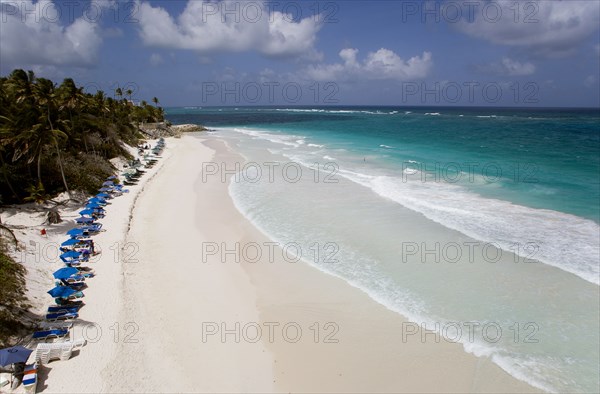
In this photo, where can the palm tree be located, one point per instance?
(40, 120)
(44, 94)
(72, 98)
(5, 140)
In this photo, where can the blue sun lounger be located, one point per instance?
(77, 286)
(47, 334)
(92, 228)
(70, 301)
(62, 316)
(64, 309)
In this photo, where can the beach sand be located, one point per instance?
(168, 318)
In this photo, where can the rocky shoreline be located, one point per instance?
(165, 129)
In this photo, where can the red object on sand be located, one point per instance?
(43, 231)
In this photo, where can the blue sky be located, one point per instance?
(201, 53)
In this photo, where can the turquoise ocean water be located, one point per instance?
(506, 201)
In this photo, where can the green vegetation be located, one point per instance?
(12, 300)
(59, 138)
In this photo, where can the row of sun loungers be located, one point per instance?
(45, 352)
(53, 340)
(133, 171)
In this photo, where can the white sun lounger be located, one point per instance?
(56, 325)
(44, 352)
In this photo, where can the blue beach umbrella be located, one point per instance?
(61, 292)
(105, 189)
(107, 183)
(65, 272)
(112, 177)
(75, 232)
(97, 200)
(13, 355)
(85, 220)
(70, 242)
(102, 195)
(87, 211)
(71, 254)
(93, 205)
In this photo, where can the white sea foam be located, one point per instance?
(386, 146)
(335, 111)
(433, 113)
(565, 241)
(377, 285)
(284, 139)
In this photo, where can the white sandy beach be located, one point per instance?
(150, 310)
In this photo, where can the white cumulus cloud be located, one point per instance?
(383, 64)
(515, 68)
(507, 67)
(31, 34)
(546, 28)
(207, 26)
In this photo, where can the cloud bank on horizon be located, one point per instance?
(370, 49)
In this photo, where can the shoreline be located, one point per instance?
(153, 313)
(362, 327)
(213, 295)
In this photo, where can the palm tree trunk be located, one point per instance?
(39, 168)
(62, 172)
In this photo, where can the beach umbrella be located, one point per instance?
(71, 254)
(93, 205)
(102, 195)
(97, 199)
(111, 177)
(70, 242)
(61, 292)
(87, 211)
(107, 183)
(105, 189)
(75, 232)
(65, 272)
(84, 219)
(13, 355)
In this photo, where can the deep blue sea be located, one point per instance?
(526, 181)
